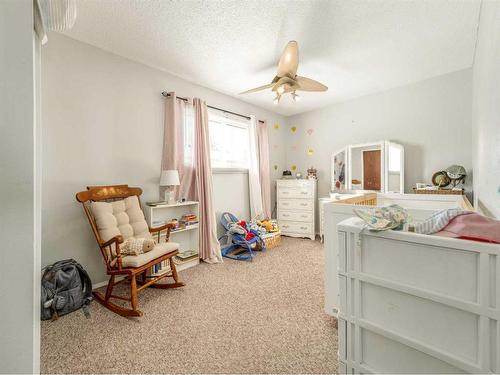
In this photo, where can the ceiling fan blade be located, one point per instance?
(308, 84)
(257, 89)
(289, 60)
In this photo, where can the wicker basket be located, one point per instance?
(272, 240)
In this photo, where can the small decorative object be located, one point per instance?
(287, 174)
(309, 131)
(137, 246)
(312, 173)
(421, 185)
(310, 152)
(298, 175)
(294, 129)
(440, 179)
(457, 174)
(276, 126)
(169, 178)
(294, 167)
(275, 167)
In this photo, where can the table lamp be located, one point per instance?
(169, 178)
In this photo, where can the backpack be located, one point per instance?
(66, 287)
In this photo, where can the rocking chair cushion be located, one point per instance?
(158, 251)
(122, 217)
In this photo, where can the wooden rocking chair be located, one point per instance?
(121, 201)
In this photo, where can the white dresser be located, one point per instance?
(296, 207)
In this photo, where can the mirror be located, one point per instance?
(366, 167)
(339, 161)
(376, 166)
(395, 167)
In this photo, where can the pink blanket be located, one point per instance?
(473, 227)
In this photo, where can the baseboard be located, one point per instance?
(99, 285)
(104, 283)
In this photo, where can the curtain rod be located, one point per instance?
(166, 94)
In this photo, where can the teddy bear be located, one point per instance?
(137, 246)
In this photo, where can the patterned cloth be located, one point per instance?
(438, 220)
(384, 218)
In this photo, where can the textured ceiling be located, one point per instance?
(354, 47)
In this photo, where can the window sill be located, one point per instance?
(229, 171)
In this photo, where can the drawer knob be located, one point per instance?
(304, 216)
(303, 204)
(303, 228)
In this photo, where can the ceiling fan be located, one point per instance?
(286, 79)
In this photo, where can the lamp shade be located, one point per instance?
(169, 178)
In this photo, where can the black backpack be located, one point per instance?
(66, 287)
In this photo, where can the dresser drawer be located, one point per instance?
(298, 192)
(296, 216)
(296, 204)
(295, 227)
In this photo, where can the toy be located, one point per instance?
(242, 239)
(268, 225)
(137, 246)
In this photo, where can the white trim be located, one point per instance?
(229, 170)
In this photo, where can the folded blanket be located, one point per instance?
(473, 227)
(438, 220)
(383, 218)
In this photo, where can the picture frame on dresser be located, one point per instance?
(296, 201)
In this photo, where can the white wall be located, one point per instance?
(19, 190)
(103, 120)
(431, 119)
(486, 111)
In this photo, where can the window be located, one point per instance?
(228, 141)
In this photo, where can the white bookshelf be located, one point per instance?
(187, 238)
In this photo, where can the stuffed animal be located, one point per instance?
(137, 246)
(241, 228)
(268, 225)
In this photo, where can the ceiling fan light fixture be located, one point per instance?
(286, 79)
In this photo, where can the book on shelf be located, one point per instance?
(156, 203)
(185, 256)
(161, 267)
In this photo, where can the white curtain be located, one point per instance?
(256, 208)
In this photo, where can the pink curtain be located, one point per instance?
(265, 172)
(209, 245)
(178, 145)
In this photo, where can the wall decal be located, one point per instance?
(294, 147)
(276, 126)
(309, 131)
(310, 152)
(275, 167)
(294, 167)
(294, 129)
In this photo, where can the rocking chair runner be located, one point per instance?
(115, 214)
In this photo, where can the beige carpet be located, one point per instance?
(264, 316)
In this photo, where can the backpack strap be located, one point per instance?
(87, 283)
